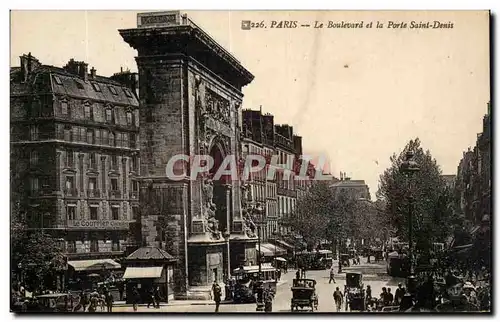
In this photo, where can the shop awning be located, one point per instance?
(142, 272)
(271, 250)
(280, 259)
(94, 264)
(284, 244)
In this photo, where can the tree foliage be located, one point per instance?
(34, 254)
(324, 213)
(425, 191)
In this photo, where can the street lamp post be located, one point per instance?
(275, 235)
(257, 212)
(409, 167)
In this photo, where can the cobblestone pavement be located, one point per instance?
(374, 274)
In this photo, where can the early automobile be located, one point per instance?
(344, 259)
(304, 295)
(246, 280)
(354, 292)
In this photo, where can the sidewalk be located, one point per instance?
(284, 279)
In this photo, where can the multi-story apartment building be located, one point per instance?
(74, 155)
(285, 179)
(356, 189)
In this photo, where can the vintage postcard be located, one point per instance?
(250, 161)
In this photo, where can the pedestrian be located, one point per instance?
(109, 301)
(121, 287)
(217, 295)
(297, 274)
(83, 300)
(338, 298)
(285, 267)
(398, 295)
(151, 297)
(390, 296)
(383, 296)
(332, 276)
(157, 297)
(135, 298)
(304, 272)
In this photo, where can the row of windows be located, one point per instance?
(286, 205)
(94, 246)
(94, 213)
(90, 112)
(95, 86)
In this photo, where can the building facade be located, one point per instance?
(75, 156)
(355, 189)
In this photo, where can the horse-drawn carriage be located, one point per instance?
(304, 294)
(354, 292)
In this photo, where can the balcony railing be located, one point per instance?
(115, 194)
(93, 193)
(71, 192)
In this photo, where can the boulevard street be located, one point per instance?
(374, 274)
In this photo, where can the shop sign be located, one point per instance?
(99, 224)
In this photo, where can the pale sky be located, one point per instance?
(355, 95)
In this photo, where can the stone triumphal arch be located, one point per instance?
(190, 91)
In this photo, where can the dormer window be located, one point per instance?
(112, 90)
(127, 93)
(57, 80)
(79, 85)
(96, 87)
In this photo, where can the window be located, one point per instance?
(133, 163)
(67, 134)
(90, 136)
(69, 159)
(112, 90)
(93, 212)
(94, 246)
(114, 213)
(34, 132)
(92, 184)
(133, 141)
(83, 134)
(57, 80)
(114, 184)
(97, 137)
(79, 85)
(109, 115)
(64, 108)
(71, 247)
(34, 158)
(96, 87)
(127, 92)
(70, 182)
(134, 213)
(88, 111)
(112, 140)
(92, 161)
(130, 118)
(34, 184)
(71, 212)
(115, 245)
(135, 185)
(105, 137)
(114, 162)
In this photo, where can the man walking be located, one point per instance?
(297, 274)
(398, 295)
(217, 295)
(338, 298)
(332, 276)
(109, 301)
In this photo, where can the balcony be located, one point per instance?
(93, 193)
(115, 194)
(71, 192)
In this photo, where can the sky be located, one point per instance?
(356, 96)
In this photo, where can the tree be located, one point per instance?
(431, 200)
(35, 255)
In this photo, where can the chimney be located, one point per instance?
(28, 65)
(92, 72)
(83, 70)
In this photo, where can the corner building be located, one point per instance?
(190, 99)
(75, 157)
